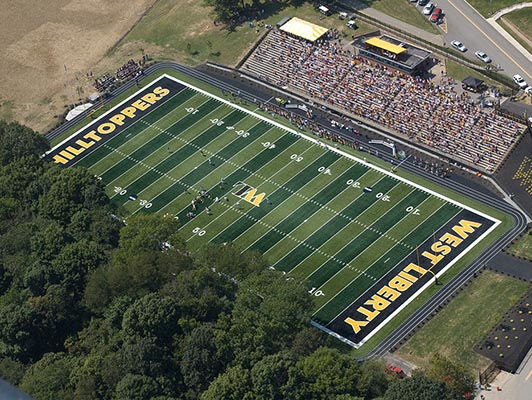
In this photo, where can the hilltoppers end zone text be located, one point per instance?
(113, 122)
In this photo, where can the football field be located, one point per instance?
(365, 241)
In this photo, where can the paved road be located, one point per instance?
(465, 24)
(513, 386)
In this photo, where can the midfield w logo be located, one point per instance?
(248, 193)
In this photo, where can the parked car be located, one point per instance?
(436, 15)
(351, 24)
(394, 371)
(482, 56)
(422, 3)
(518, 79)
(427, 10)
(459, 46)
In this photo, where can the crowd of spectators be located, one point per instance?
(432, 113)
(130, 70)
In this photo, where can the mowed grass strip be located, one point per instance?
(283, 209)
(238, 175)
(369, 238)
(176, 164)
(91, 159)
(171, 186)
(161, 160)
(320, 222)
(375, 251)
(342, 298)
(277, 197)
(160, 139)
(364, 206)
(217, 219)
(307, 209)
(152, 130)
(237, 146)
(331, 229)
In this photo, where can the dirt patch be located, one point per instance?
(48, 48)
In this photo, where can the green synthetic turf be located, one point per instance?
(317, 224)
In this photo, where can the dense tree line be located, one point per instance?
(92, 308)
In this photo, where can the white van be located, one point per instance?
(324, 10)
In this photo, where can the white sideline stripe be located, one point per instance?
(218, 216)
(166, 174)
(425, 286)
(368, 289)
(143, 131)
(372, 244)
(302, 135)
(143, 143)
(112, 110)
(290, 163)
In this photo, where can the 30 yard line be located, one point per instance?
(149, 125)
(362, 294)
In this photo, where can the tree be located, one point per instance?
(50, 237)
(270, 377)
(70, 190)
(98, 226)
(136, 387)
(57, 315)
(201, 361)
(17, 141)
(11, 370)
(455, 376)
(201, 293)
(373, 381)
(326, 373)
(142, 355)
(229, 259)
(268, 312)
(233, 384)
(152, 315)
(418, 387)
(17, 338)
(48, 378)
(74, 262)
(148, 233)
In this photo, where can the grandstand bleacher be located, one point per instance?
(433, 114)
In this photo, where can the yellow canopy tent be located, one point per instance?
(304, 29)
(384, 45)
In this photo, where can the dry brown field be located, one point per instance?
(39, 38)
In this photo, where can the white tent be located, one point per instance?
(77, 110)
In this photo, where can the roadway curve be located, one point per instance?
(464, 188)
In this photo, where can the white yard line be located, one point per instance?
(355, 278)
(179, 181)
(122, 132)
(371, 245)
(283, 153)
(166, 144)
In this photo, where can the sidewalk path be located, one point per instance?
(493, 22)
(388, 20)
